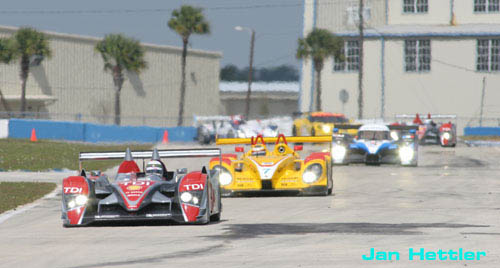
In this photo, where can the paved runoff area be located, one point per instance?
(447, 211)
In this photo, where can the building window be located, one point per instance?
(415, 6)
(417, 55)
(351, 57)
(486, 6)
(488, 55)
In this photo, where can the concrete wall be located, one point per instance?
(74, 76)
(87, 132)
(4, 129)
(261, 107)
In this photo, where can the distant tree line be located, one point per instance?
(231, 72)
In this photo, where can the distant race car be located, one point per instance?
(377, 144)
(432, 132)
(278, 169)
(155, 194)
(319, 124)
(208, 127)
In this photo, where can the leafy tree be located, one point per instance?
(230, 72)
(186, 21)
(31, 47)
(7, 55)
(318, 45)
(279, 73)
(120, 53)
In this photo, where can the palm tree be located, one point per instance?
(120, 53)
(30, 46)
(319, 45)
(186, 21)
(7, 54)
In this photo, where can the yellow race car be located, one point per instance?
(278, 169)
(320, 124)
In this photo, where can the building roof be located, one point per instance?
(199, 52)
(466, 30)
(291, 87)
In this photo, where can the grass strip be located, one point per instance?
(22, 154)
(14, 194)
(480, 138)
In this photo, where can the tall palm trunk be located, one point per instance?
(183, 82)
(25, 68)
(318, 66)
(118, 81)
(4, 103)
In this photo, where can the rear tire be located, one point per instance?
(216, 216)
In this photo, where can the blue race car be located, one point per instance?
(376, 144)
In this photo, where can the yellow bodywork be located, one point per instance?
(279, 169)
(304, 127)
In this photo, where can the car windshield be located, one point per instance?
(328, 119)
(374, 135)
(121, 177)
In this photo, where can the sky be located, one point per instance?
(278, 24)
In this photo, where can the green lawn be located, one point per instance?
(22, 154)
(13, 194)
(480, 138)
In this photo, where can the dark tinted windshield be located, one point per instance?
(328, 119)
(374, 135)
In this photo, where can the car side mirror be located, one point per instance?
(238, 149)
(182, 170)
(298, 147)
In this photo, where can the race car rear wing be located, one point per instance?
(347, 126)
(171, 153)
(423, 116)
(402, 127)
(315, 139)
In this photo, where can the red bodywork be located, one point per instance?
(76, 185)
(195, 181)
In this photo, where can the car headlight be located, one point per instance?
(71, 204)
(406, 153)
(81, 200)
(186, 197)
(325, 128)
(312, 173)
(225, 178)
(446, 135)
(338, 152)
(394, 135)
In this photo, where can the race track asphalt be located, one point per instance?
(451, 201)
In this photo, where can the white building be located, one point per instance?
(266, 99)
(72, 85)
(419, 56)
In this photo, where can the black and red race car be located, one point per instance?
(152, 194)
(433, 130)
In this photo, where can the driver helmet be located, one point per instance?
(258, 150)
(154, 167)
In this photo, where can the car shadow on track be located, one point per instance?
(143, 224)
(246, 231)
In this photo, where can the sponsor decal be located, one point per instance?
(134, 187)
(73, 190)
(193, 187)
